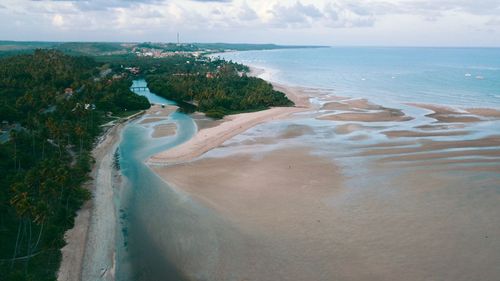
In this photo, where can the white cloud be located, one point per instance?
(281, 21)
(58, 20)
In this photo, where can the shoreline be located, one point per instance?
(209, 138)
(334, 108)
(393, 184)
(212, 137)
(96, 218)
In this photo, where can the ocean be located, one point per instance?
(414, 198)
(448, 76)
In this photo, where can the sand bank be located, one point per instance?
(163, 130)
(430, 145)
(89, 252)
(290, 174)
(414, 134)
(209, 138)
(299, 218)
(298, 214)
(447, 114)
(204, 122)
(389, 115)
(232, 125)
(351, 104)
(152, 120)
(361, 110)
(485, 112)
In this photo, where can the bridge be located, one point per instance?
(138, 88)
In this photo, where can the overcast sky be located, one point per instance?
(320, 22)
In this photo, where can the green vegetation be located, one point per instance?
(8, 48)
(53, 105)
(216, 87)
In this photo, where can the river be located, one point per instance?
(162, 229)
(146, 201)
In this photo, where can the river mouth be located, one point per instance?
(146, 203)
(164, 233)
(349, 190)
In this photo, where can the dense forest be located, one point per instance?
(216, 87)
(8, 48)
(52, 107)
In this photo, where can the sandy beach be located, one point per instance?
(304, 196)
(349, 193)
(213, 134)
(209, 138)
(88, 254)
(163, 130)
(300, 217)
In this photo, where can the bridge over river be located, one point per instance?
(138, 88)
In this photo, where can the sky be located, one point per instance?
(304, 22)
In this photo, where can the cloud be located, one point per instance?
(297, 15)
(246, 13)
(332, 15)
(101, 5)
(257, 20)
(347, 16)
(219, 1)
(58, 21)
(493, 22)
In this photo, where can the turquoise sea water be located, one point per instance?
(450, 76)
(146, 201)
(398, 222)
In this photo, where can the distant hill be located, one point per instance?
(249, 47)
(93, 48)
(8, 48)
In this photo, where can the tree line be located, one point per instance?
(217, 87)
(52, 106)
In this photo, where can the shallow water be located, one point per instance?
(452, 76)
(410, 208)
(146, 201)
(434, 218)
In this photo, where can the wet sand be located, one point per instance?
(210, 138)
(296, 175)
(163, 130)
(361, 110)
(89, 252)
(379, 116)
(232, 125)
(299, 218)
(412, 134)
(450, 115)
(204, 122)
(412, 198)
(274, 196)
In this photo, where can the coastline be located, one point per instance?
(293, 207)
(394, 186)
(90, 244)
(207, 139)
(333, 108)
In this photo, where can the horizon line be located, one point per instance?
(267, 43)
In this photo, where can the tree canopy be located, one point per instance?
(53, 105)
